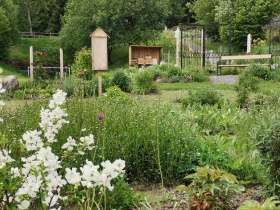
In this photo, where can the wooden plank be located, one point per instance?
(246, 57)
(232, 65)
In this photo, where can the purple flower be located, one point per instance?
(100, 116)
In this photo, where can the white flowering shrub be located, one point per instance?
(45, 179)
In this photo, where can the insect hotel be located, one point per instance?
(141, 55)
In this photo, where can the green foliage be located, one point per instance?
(266, 135)
(120, 79)
(116, 92)
(82, 66)
(211, 188)
(270, 204)
(125, 22)
(260, 71)
(122, 197)
(247, 84)
(143, 82)
(239, 14)
(8, 26)
(203, 97)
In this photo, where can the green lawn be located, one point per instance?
(7, 70)
(20, 51)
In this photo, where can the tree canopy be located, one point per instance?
(126, 22)
(246, 16)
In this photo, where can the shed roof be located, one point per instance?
(99, 33)
(145, 46)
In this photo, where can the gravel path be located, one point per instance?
(225, 79)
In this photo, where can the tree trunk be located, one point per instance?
(30, 21)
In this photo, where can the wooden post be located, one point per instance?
(31, 67)
(61, 64)
(99, 83)
(178, 46)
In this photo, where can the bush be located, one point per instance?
(267, 138)
(82, 66)
(247, 83)
(260, 71)
(120, 79)
(143, 83)
(199, 76)
(202, 97)
(116, 92)
(211, 188)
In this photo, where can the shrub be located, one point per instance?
(270, 203)
(199, 76)
(211, 188)
(202, 97)
(120, 79)
(267, 138)
(247, 83)
(260, 71)
(116, 92)
(82, 66)
(143, 83)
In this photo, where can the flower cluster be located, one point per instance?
(90, 176)
(5, 158)
(41, 172)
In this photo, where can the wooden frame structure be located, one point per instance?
(144, 55)
(242, 58)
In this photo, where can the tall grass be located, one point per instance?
(154, 138)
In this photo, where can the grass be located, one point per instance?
(7, 70)
(20, 51)
(119, 57)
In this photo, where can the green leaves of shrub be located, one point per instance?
(269, 204)
(143, 83)
(247, 84)
(202, 97)
(211, 187)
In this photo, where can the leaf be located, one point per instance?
(250, 205)
(270, 202)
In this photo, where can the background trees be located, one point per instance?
(126, 22)
(246, 16)
(8, 26)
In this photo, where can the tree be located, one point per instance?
(175, 12)
(247, 16)
(8, 26)
(126, 22)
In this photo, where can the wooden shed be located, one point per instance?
(144, 55)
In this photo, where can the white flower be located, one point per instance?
(49, 160)
(88, 141)
(33, 140)
(5, 158)
(72, 176)
(70, 144)
(30, 186)
(58, 99)
(51, 200)
(15, 172)
(24, 204)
